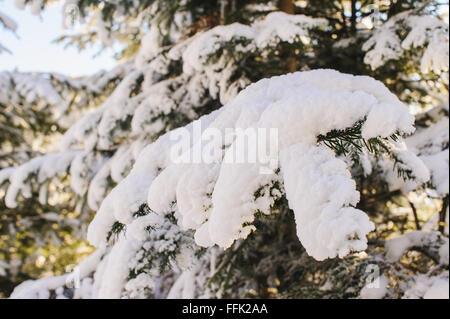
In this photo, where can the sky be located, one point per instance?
(32, 49)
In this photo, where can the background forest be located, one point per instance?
(92, 207)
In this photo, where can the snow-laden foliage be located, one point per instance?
(41, 289)
(423, 32)
(47, 102)
(438, 245)
(431, 143)
(142, 105)
(35, 109)
(154, 228)
(274, 28)
(295, 106)
(350, 176)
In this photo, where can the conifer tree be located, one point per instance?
(358, 183)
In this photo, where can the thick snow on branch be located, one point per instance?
(321, 193)
(274, 28)
(59, 98)
(430, 144)
(41, 168)
(433, 243)
(145, 103)
(221, 205)
(79, 279)
(32, 86)
(89, 173)
(427, 286)
(427, 32)
(431, 33)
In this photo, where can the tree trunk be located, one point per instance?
(225, 8)
(353, 17)
(288, 6)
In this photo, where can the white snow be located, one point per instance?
(398, 246)
(438, 290)
(320, 191)
(42, 168)
(429, 143)
(41, 289)
(8, 22)
(432, 33)
(116, 268)
(423, 32)
(334, 100)
(218, 201)
(375, 291)
(274, 28)
(20, 4)
(428, 287)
